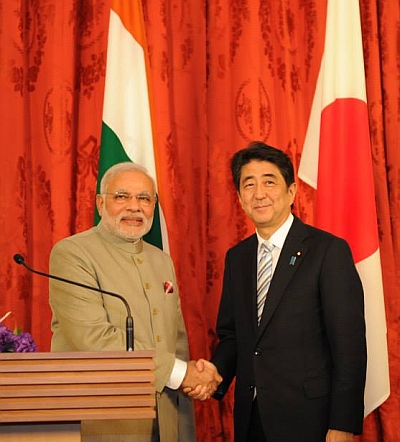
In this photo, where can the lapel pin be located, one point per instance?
(294, 257)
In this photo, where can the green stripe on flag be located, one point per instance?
(154, 236)
(112, 152)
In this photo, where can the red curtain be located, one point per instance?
(223, 73)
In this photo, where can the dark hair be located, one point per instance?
(259, 151)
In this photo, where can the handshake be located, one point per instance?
(201, 379)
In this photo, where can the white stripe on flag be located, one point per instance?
(126, 109)
(126, 93)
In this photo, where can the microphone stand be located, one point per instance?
(19, 259)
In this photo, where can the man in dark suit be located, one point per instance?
(298, 355)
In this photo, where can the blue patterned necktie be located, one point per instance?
(264, 276)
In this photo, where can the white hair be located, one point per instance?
(122, 167)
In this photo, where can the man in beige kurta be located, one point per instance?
(113, 256)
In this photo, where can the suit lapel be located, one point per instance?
(292, 254)
(249, 268)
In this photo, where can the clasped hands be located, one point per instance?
(201, 379)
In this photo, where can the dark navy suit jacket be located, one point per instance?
(307, 359)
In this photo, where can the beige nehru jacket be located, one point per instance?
(85, 320)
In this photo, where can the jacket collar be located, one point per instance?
(120, 243)
(292, 254)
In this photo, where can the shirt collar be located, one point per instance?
(279, 236)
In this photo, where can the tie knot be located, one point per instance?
(267, 247)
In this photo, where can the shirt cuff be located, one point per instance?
(177, 374)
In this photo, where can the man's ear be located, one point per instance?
(240, 199)
(293, 190)
(99, 203)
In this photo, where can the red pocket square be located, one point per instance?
(168, 287)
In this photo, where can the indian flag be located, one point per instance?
(127, 129)
(337, 162)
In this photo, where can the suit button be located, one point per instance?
(251, 387)
(257, 352)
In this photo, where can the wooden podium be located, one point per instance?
(45, 396)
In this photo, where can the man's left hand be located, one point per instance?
(339, 436)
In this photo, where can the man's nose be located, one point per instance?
(133, 204)
(260, 192)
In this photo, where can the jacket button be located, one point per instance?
(251, 387)
(257, 352)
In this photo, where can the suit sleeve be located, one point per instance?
(182, 346)
(224, 356)
(342, 302)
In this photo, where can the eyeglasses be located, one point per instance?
(123, 197)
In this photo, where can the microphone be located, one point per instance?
(19, 259)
